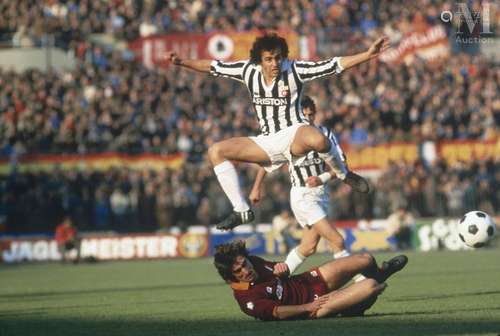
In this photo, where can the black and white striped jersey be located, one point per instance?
(278, 105)
(313, 165)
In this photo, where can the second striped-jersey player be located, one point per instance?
(277, 105)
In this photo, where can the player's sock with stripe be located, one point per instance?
(358, 277)
(294, 259)
(344, 253)
(228, 179)
(335, 160)
(341, 254)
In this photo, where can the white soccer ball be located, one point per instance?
(476, 228)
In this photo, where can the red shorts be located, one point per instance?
(306, 287)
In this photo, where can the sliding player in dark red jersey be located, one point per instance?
(275, 84)
(264, 290)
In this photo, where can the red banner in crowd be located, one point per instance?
(454, 151)
(359, 158)
(226, 46)
(104, 161)
(378, 157)
(428, 44)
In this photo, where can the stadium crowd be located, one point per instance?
(27, 21)
(109, 102)
(338, 24)
(128, 200)
(112, 104)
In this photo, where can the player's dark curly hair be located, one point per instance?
(225, 256)
(307, 102)
(268, 42)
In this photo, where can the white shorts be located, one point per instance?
(309, 205)
(277, 147)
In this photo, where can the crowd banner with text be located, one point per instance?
(224, 46)
(438, 234)
(109, 247)
(429, 234)
(428, 44)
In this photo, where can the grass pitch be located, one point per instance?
(439, 293)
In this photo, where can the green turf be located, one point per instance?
(439, 293)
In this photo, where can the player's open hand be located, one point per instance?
(255, 196)
(378, 47)
(314, 306)
(313, 181)
(281, 269)
(173, 58)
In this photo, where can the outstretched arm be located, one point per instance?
(377, 47)
(232, 70)
(197, 65)
(256, 189)
(286, 312)
(308, 71)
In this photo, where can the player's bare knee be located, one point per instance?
(367, 258)
(215, 153)
(319, 142)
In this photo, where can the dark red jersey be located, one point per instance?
(260, 298)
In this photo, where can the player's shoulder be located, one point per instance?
(301, 63)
